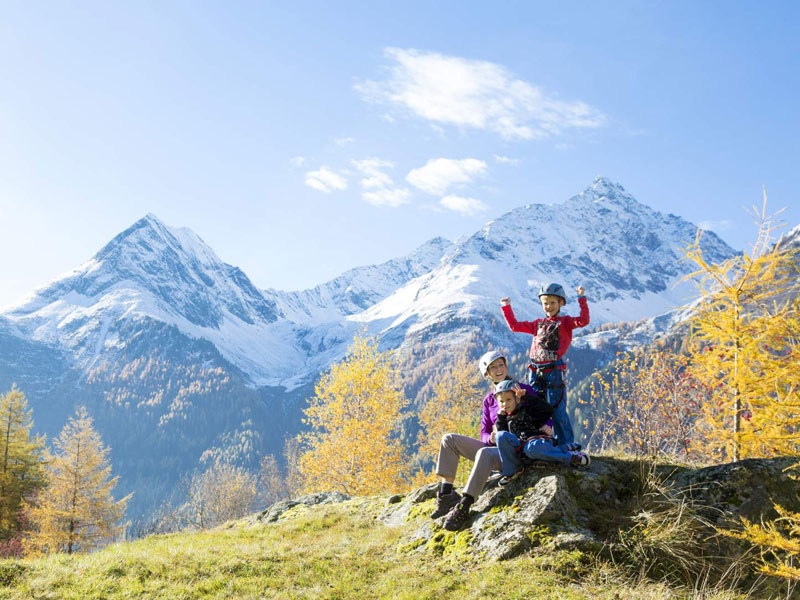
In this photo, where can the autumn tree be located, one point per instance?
(293, 482)
(22, 456)
(278, 482)
(221, 493)
(271, 480)
(76, 512)
(777, 542)
(453, 407)
(746, 331)
(646, 403)
(353, 445)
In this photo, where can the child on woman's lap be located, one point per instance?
(523, 430)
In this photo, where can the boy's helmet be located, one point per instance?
(489, 358)
(507, 385)
(553, 289)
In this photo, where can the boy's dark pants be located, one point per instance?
(549, 380)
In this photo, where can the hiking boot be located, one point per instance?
(445, 503)
(580, 459)
(506, 479)
(457, 517)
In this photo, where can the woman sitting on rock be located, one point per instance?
(494, 367)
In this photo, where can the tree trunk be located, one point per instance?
(737, 399)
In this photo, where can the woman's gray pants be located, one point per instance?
(486, 458)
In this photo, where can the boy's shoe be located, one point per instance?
(444, 503)
(580, 459)
(457, 517)
(494, 476)
(572, 447)
(506, 479)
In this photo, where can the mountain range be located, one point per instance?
(182, 359)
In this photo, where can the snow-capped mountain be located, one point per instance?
(627, 255)
(152, 271)
(181, 358)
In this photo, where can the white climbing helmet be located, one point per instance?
(489, 358)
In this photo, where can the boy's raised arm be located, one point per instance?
(583, 319)
(513, 324)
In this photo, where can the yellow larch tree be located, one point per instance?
(746, 330)
(353, 445)
(453, 407)
(76, 512)
(777, 542)
(21, 460)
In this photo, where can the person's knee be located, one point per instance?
(447, 440)
(502, 437)
(482, 454)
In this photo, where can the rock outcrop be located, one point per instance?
(605, 506)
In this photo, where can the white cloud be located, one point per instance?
(387, 197)
(438, 174)
(298, 161)
(505, 160)
(378, 188)
(325, 180)
(373, 169)
(465, 206)
(475, 94)
(344, 141)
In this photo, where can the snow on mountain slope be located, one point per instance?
(151, 271)
(626, 255)
(359, 288)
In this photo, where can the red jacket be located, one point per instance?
(552, 335)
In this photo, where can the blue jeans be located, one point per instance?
(551, 384)
(537, 449)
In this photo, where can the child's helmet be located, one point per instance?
(553, 289)
(489, 358)
(507, 385)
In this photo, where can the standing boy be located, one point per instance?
(551, 339)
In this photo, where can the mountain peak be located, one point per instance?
(151, 235)
(605, 191)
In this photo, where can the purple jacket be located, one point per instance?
(490, 408)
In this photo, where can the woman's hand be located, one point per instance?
(505, 301)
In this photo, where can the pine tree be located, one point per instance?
(353, 445)
(21, 460)
(76, 512)
(746, 336)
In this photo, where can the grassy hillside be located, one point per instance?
(329, 551)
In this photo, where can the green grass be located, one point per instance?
(331, 552)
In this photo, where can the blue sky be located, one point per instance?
(301, 139)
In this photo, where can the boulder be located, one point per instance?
(274, 512)
(552, 506)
